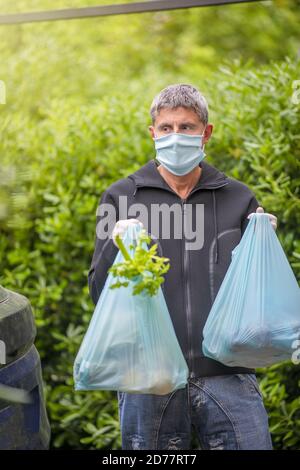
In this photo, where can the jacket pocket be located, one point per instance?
(227, 241)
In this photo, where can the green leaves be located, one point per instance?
(71, 132)
(145, 268)
(280, 388)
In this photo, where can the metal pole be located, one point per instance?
(108, 10)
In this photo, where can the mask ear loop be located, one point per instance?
(202, 135)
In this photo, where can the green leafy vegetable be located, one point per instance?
(146, 268)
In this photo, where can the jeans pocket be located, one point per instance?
(251, 381)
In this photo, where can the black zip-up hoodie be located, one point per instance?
(195, 275)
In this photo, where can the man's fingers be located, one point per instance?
(274, 225)
(259, 210)
(272, 218)
(121, 227)
(135, 221)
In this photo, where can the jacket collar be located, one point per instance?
(211, 178)
(149, 176)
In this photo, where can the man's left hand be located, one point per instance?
(272, 218)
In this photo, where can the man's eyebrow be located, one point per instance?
(168, 124)
(188, 123)
(165, 124)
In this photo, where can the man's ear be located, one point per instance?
(207, 133)
(152, 132)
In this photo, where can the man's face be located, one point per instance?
(182, 120)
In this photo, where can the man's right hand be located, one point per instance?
(121, 227)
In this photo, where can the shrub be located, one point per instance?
(72, 153)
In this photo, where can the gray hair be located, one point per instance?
(174, 96)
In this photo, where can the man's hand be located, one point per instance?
(121, 227)
(272, 218)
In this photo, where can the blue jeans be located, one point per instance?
(226, 412)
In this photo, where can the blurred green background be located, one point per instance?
(75, 120)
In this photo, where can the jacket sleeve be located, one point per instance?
(105, 251)
(253, 205)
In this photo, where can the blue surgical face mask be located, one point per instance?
(179, 153)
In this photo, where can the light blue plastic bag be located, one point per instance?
(255, 318)
(130, 344)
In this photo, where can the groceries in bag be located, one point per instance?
(255, 318)
(130, 345)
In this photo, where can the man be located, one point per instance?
(208, 214)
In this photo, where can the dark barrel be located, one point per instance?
(22, 425)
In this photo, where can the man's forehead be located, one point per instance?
(177, 114)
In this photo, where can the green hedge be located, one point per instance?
(66, 154)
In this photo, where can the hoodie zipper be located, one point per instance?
(186, 270)
(187, 291)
